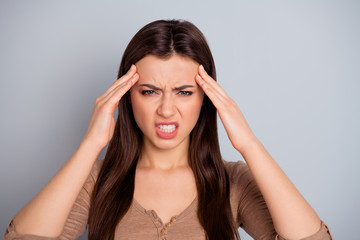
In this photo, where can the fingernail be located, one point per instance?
(202, 68)
(132, 67)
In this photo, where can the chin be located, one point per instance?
(166, 144)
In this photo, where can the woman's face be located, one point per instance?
(166, 100)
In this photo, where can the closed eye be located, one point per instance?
(185, 93)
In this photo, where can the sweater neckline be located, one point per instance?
(153, 213)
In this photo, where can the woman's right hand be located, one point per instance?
(46, 213)
(102, 123)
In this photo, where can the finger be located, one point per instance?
(115, 95)
(210, 81)
(214, 88)
(122, 79)
(214, 96)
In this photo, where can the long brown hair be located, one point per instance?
(114, 188)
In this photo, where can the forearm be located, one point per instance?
(46, 213)
(293, 217)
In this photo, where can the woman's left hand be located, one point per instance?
(235, 124)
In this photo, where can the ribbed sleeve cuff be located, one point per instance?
(322, 234)
(10, 234)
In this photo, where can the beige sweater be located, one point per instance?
(248, 207)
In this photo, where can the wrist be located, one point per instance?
(91, 146)
(249, 145)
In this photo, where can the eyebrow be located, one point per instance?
(176, 88)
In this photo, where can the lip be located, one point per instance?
(166, 135)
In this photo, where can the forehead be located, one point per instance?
(174, 70)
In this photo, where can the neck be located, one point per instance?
(164, 159)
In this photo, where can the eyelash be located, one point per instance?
(147, 92)
(151, 92)
(185, 93)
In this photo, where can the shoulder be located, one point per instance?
(236, 170)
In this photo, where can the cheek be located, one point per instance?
(198, 102)
(192, 109)
(198, 106)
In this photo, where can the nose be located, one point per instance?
(166, 108)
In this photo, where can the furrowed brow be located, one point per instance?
(176, 88)
(183, 87)
(150, 86)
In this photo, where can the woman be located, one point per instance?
(163, 176)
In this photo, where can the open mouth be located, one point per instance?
(166, 130)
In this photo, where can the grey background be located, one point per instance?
(292, 67)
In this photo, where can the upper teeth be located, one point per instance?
(167, 128)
